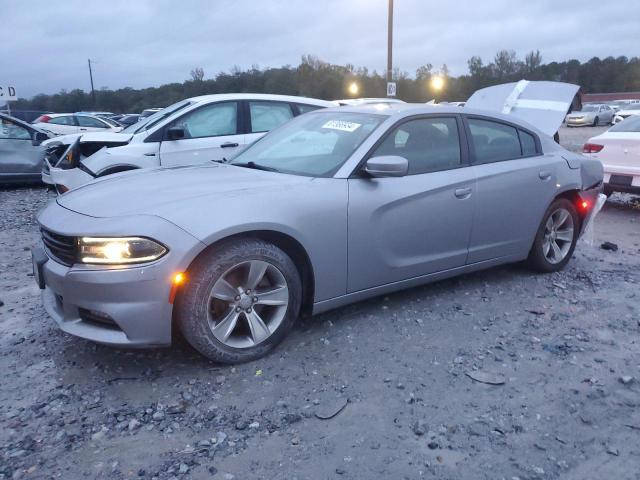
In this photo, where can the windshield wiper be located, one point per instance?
(256, 166)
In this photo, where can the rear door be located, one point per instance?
(406, 227)
(263, 116)
(62, 125)
(515, 185)
(90, 124)
(211, 134)
(18, 155)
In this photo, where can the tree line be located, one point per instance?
(316, 78)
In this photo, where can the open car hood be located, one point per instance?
(542, 104)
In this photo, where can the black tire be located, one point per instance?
(192, 302)
(596, 121)
(537, 259)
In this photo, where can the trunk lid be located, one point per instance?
(542, 104)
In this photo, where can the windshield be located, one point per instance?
(631, 124)
(315, 145)
(150, 121)
(589, 108)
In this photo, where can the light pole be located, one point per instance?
(390, 45)
(93, 92)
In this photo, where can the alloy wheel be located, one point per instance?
(247, 304)
(558, 236)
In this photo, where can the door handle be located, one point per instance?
(544, 175)
(229, 145)
(83, 129)
(463, 192)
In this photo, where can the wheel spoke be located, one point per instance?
(259, 330)
(557, 253)
(549, 224)
(223, 329)
(565, 235)
(546, 246)
(224, 291)
(257, 269)
(276, 296)
(562, 217)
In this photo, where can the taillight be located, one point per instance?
(592, 148)
(43, 119)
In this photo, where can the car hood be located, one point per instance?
(99, 137)
(541, 104)
(580, 114)
(158, 191)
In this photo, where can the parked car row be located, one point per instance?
(196, 130)
(333, 206)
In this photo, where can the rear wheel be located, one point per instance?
(240, 301)
(556, 238)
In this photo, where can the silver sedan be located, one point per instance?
(334, 207)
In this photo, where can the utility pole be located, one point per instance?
(390, 44)
(93, 92)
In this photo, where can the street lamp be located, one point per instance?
(353, 88)
(437, 83)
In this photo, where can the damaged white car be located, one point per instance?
(196, 130)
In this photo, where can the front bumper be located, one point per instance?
(119, 306)
(582, 122)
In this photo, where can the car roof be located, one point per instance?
(398, 111)
(260, 96)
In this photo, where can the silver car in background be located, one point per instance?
(591, 115)
(21, 151)
(336, 206)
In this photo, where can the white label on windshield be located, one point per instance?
(342, 125)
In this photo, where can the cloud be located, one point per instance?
(44, 45)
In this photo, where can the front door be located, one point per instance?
(211, 134)
(406, 227)
(18, 156)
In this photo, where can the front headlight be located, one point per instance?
(118, 251)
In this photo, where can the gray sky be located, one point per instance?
(44, 45)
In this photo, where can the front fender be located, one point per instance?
(139, 155)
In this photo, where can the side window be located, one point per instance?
(528, 143)
(493, 141)
(429, 144)
(11, 131)
(210, 121)
(266, 116)
(304, 108)
(90, 122)
(65, 120)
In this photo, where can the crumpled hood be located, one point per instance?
(105, 137)
(157, 191)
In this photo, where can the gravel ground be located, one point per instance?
(381, 389)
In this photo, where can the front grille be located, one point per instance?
(61, 248)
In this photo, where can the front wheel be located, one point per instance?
(556, 237)
(240, 300)
(596, 121)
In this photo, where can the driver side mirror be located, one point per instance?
(387, 166)
(38, 138)
(175, 133)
